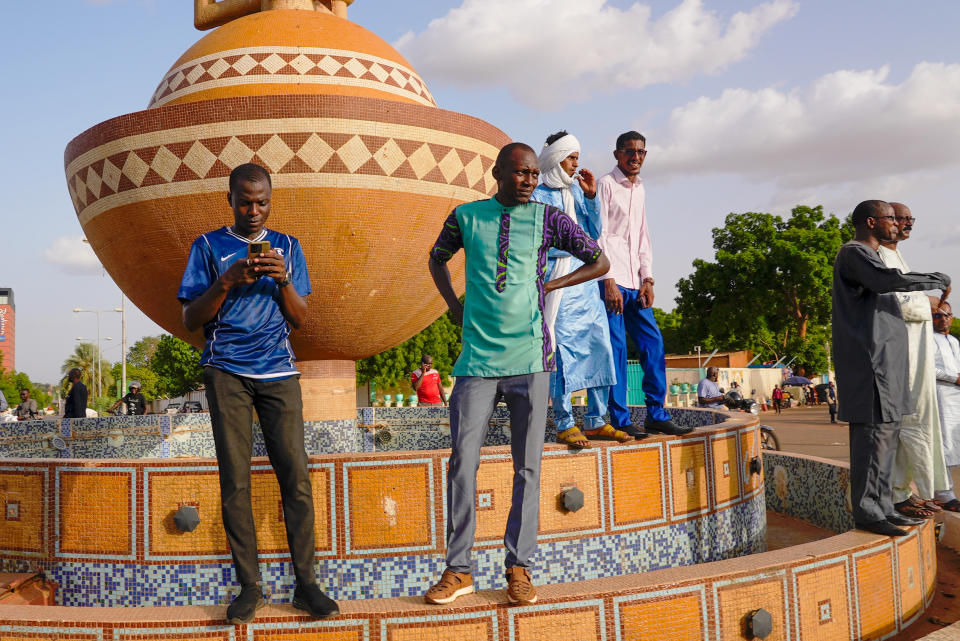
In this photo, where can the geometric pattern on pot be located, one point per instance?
(291, 65)
(299, 152)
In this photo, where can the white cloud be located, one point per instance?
(545, 49)
(847, 127)
(73, 256)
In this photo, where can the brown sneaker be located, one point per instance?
(450, 586)
(519, 588)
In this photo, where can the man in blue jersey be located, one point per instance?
(246, 305)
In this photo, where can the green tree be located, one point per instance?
(12, 382)
(143, 375)
(141, 353)
(391, 369)
(176, 365)
(769, 287)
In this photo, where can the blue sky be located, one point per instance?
(747, 106)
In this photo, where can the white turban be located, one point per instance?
(552, 175)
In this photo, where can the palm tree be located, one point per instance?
(84, 358)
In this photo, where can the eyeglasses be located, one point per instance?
(942, 315)
(909, 220)
(633, 152)
(881, 217)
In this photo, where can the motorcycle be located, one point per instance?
(733, 400)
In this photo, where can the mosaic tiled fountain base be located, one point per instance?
(94, 506)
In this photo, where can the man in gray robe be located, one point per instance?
(870, 352)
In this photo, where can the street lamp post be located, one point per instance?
(80, 310)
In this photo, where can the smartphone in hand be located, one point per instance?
(258, 247)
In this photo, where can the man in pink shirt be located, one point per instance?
(627, 288)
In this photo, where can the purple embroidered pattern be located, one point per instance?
(503, 251)
(561, 232)
(450, 240)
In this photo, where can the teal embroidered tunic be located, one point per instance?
(504, 332)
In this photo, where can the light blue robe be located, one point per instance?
(581, 331)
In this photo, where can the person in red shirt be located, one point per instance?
(426, 383)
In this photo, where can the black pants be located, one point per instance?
(280, 408)
(873, 447)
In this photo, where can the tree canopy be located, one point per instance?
(391, 368)
(769, 286)
(12, 382)
(176, 365)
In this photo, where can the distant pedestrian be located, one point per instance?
(947, 365)
(27, 410)
(777, 397)
(76, 405)
(832, 401)
(427, 384)
(133, 402)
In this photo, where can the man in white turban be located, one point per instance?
(947, 362)
(920, 448)
(575, 315)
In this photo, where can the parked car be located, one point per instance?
(191, 407)
(172, 408)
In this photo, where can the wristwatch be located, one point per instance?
(285, 281)
(649, 279)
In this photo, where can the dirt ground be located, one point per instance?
(807, 430)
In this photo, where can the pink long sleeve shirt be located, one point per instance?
(625, 237)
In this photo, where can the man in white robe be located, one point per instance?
(919, 456)
(948, 395)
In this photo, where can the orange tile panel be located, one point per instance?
(167, 491)
(822, 602)
(87, 530)
(540, 626)
(389, 506)
(877, 605)
(647, 619)
(22, 510)
(910, 577)
(268, 510)
(440, 631)
(636, 483)
(748, 450)
(309, 633)
(559, 473)
(688, 468)
(738, 600)
(726, 471)
(928, 547)
(494, 480)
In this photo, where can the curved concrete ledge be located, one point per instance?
(851, 586)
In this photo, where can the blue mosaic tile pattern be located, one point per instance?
(734, 532)
(178, 435)
(809, 490)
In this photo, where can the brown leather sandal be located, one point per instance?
(574, 438)
(907, 508)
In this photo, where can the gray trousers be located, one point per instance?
(471, 406)
(873, 448)
(280, 408)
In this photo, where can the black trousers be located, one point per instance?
(279, 405)
(873, 447)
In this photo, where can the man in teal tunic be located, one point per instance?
(506, 350)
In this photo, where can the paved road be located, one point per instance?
(807, 430)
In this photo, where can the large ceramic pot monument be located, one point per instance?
(365, 168)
